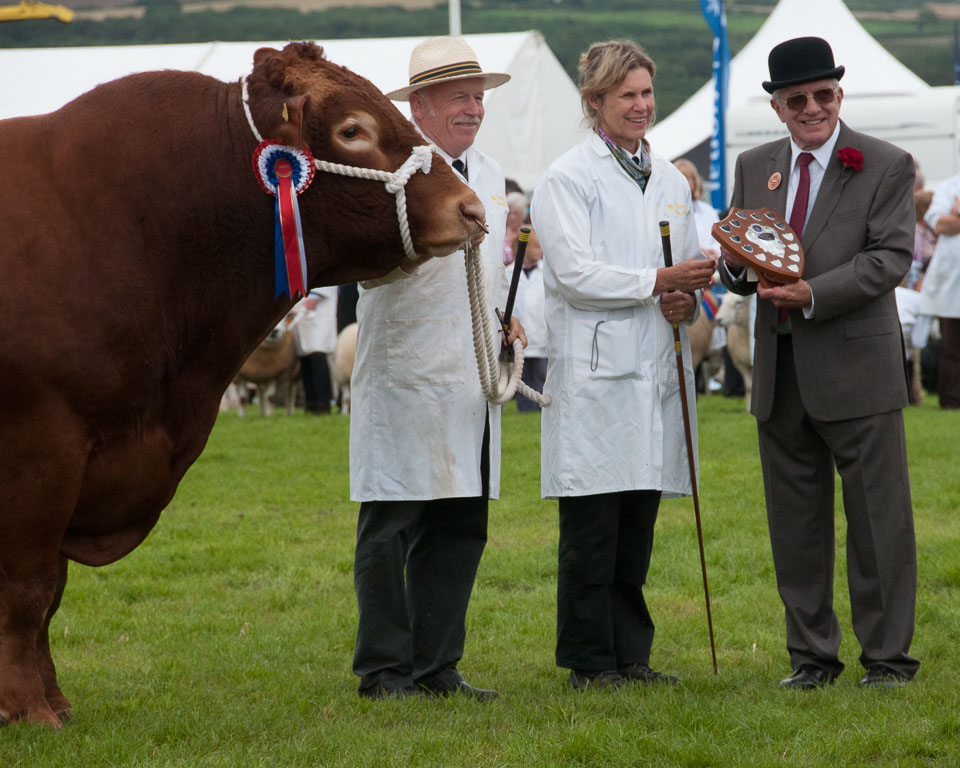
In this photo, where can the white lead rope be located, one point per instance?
(499, 383)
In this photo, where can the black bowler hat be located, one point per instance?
(801, 60)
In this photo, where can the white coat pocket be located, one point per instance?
(424, 352)
(605, 349)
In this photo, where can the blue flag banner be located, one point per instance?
(956, 52)
(716, 17)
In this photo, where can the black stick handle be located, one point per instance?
(665, 238)
(515, 278)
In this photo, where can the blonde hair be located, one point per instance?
(604, 66)
(689, 170)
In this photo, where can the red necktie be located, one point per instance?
(798, 216)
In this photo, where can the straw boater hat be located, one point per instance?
(440, 59)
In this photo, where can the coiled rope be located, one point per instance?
(499, 380)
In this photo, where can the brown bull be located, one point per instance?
(136, 275)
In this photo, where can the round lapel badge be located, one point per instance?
(774, 181)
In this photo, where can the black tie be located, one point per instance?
(461, 167)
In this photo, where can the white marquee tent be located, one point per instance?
(881, 96)
(529, 121)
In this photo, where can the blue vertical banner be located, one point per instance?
(956, 52)
(716, 17)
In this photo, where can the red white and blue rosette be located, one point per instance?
(284, 172)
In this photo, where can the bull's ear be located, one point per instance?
(262, 53)
(290, 129)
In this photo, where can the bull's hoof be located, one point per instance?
(65, 716)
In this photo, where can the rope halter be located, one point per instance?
(420, 159)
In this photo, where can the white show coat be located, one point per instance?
(529, 309)
(316, 330)
(940, 292)
(417, 410)
(616, 422)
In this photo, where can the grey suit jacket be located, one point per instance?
(858, 244)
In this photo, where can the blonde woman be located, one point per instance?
(613, 442)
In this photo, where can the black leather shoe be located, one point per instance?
(807, 677)
(881, 676)
(462, 688)
(641, 673)
(606, 678)
(389, 692)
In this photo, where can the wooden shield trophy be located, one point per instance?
(764, 241)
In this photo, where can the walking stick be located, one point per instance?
(668, 261)
(514, 284)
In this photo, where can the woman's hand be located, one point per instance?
(690, 275)
(678, 306)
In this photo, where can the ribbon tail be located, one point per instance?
(281, 283)
(295, 264)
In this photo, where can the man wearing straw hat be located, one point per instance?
(424, 443)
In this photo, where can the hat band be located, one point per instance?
(442, 73)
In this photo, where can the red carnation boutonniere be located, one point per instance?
(851, 158)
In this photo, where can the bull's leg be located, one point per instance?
(41, 472)
(28, 597)
(55, 698)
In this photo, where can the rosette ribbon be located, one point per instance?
(285, 172)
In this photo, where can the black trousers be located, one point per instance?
(605, 545)
(534, 375)
(414, 569)
(948, 380)
(315, 374)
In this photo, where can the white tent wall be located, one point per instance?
(528, 122)
(881, 95)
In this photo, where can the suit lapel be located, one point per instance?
(834, 179)
(778, 163)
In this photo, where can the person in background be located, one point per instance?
(315, 337)
(424, 442)
(517, 213)
(829, 380)
(703, 213)
(940, 294)
(924, 239)
(613, 443)
(529, 308)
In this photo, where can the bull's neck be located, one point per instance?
(215, 226)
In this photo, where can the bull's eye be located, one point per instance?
(350, 132)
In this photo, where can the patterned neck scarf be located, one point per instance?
(640, 173)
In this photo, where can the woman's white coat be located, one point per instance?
(616, 421)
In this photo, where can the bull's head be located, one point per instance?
(305, 101)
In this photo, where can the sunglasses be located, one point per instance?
(823, 96)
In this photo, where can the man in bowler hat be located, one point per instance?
(828, 381)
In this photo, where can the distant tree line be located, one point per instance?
(672, 31)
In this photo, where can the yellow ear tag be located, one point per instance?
(286, 115)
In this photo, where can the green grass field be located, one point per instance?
(226, 638)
